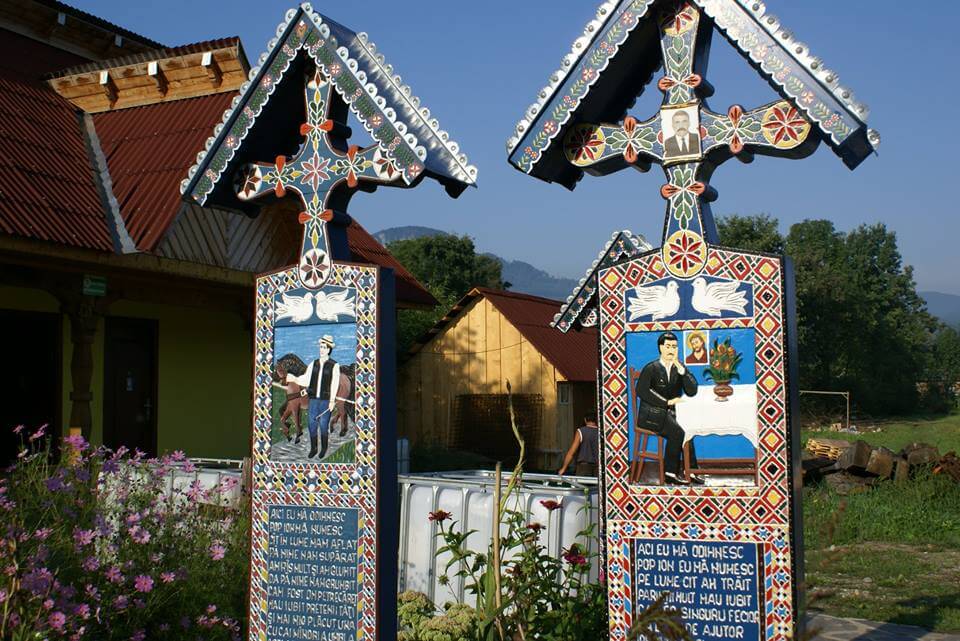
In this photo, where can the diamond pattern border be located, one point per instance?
(760, 513)
(317, 484)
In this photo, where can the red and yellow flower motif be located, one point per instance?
(784, 127)
(735, 113)
(314, 266)
(667, 83)
(584, 144)
(685, 253)
(682, 21)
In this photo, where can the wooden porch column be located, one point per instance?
(84, 313)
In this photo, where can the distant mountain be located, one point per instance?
(406, 233)
(946, 307)
(523, 277)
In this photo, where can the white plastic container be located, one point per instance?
(468, 496)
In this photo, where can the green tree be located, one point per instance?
(449, 267)
(944, 365)
(862, 325)
(943, 370)
(760, 233)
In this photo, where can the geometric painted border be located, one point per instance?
(714, 513)
(348, 485)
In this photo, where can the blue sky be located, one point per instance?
(478, 65)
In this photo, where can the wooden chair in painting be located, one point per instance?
(642, 438)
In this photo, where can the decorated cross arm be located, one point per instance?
(600, 149)
(318, 173)
(774, 129)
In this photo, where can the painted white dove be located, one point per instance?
(713, 298)
(296, 308)
(660, 300)
(332, 305)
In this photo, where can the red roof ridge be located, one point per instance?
(489, 291)
(98, 21)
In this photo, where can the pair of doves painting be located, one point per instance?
(710, 299)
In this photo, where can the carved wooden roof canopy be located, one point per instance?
(402, 128)
(619, 51)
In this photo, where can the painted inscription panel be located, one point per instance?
(715, 584)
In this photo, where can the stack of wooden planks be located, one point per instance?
(827, 448)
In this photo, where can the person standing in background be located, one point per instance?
(585, 447)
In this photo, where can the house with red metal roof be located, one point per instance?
(453, 385)
(126, 311)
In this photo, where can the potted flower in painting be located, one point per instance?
(724, 360)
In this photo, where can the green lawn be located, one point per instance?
(943, 432)
(891, 552)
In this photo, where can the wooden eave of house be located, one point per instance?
(146, 78)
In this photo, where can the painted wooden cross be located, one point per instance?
(324, 174)
(682, 135)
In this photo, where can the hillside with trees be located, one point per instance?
(862, 325)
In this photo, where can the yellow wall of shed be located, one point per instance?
(476, 353)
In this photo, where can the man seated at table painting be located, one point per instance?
(660, 386)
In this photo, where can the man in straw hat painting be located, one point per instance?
(320, 382)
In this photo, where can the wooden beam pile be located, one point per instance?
(862, 464)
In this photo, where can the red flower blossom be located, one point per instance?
(574, 556)
(439, 516)
(550, 504)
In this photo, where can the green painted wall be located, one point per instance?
(205, 380)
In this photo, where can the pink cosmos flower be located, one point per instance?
(42, 533)
(83, 537)
(91, 563)
(77, 442)
(143, 583)
(139, 535)
(114, 575)
(57, 620)
(168, 577)
(217, 551)
(139, 635)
